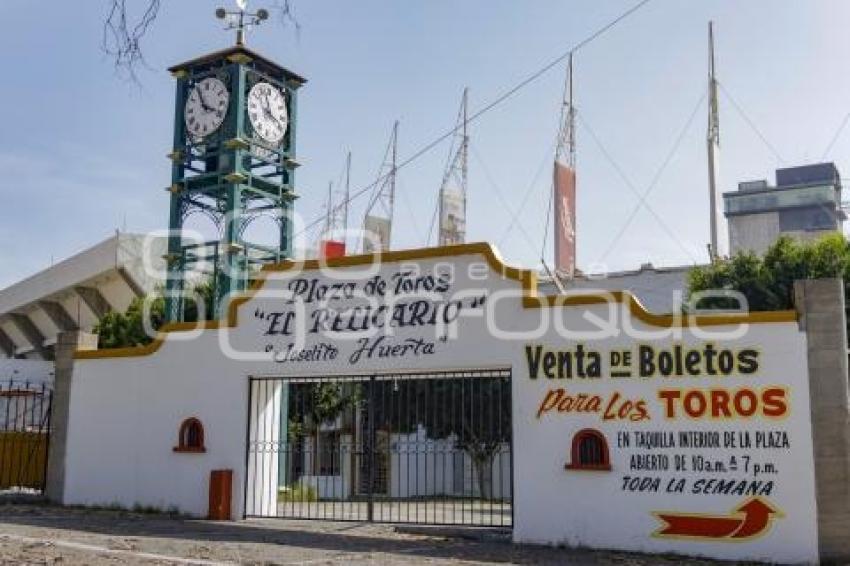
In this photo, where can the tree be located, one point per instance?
(313, 404)
(474, 410)
(117, 329)
(768, 281)
(124, 30)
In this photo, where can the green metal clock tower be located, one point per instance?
(233, 160)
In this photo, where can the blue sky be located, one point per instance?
(83, 152)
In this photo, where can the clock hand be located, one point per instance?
(274, 119)
(267, 109)
(268, 112)
(206, 107)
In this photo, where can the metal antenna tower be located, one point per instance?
(565, 151)
(452, 201)
(347, 198)
(336, 215)
(713, 143)
(330, 211)
(378, 220)
(563, 197)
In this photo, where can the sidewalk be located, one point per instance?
(50, 535)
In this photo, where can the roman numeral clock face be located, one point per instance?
(267, 112)
(206, 107)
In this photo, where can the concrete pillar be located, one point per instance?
(66, 344)
(822, 316)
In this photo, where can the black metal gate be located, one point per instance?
(24, 436)
(432, 448)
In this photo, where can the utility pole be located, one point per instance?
(713, 143)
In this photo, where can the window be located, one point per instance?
(191, 436)
(808, 219)
(589, 451)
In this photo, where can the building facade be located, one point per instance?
(805, 203)
(449, 388)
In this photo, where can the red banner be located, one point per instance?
(565, 218)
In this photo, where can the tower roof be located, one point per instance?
(239, 50)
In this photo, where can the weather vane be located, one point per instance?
(241, 19)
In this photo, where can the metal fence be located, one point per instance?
(429, 448)
(24, 435)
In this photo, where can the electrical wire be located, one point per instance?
(500, 194)
(750, 123)
(836, 136)
(497, 101)
(547, 158)
(642, 197)
(433, 220)
(549, 214)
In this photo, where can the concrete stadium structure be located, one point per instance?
(73, 294)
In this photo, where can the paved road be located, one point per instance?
(40, 534)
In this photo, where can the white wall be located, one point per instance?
(125, 413)
(32, 371)
(421, 466)
(589, 508)
(753, 232)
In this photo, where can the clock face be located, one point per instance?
(267, 112)
(206, 107)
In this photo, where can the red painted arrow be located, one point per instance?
(702, 526)
(757, 517)
(748, 520)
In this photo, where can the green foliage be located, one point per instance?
(205, 290)
(768, 282)
(315, 403)
(117, 330)
(295, 431)
(329, 401)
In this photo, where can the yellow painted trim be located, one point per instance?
(180, 74)
(239, 58)
(235, 178)
(527, 278)
(236, 143)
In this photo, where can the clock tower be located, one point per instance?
(233, 160)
